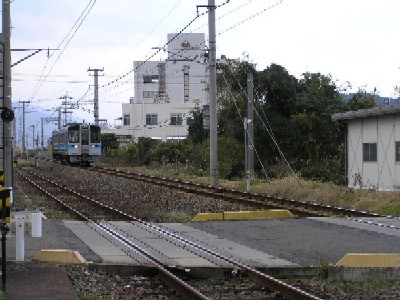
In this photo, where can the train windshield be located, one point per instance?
(94, 134)
(73, 134)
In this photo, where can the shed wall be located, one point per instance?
(383, 174)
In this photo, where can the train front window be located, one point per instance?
(73, 135)
(94, 134)
(85, 137)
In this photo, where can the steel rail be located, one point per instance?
(274, 284)
(253, 198)
(181, 287)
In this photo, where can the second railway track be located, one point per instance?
(298, 207)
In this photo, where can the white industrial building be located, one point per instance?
(167, 91)
(373, 147)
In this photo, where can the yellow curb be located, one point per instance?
(208, 217)
(258, 214)
(60, 256)
(370, 260)
(244, 215)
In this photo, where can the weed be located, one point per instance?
(322, 271)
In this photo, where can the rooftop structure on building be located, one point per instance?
(167, 91)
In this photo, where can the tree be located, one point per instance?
(109, 141)
(361, 100)
(196, 132)
(144, 146)
(277, 90)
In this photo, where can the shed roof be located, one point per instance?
(365, 113)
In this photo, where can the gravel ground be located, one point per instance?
(101, 285)
(176, 206)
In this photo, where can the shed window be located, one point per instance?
(369, 152)
(397, 151)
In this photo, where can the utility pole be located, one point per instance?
(66, 103)
(7, 124)
(33, 137)
(250, 119)
(41, 137)
(213, 93)
(249, 134)
(23, 128)
(96, 93)
(46, 121)
(59, 118)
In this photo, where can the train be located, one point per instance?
(77, 143)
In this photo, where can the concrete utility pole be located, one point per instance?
(7, 126)
(59, 118)
(33, 137)
(23, 128)
(250, 120)
(46, 120)
(42, 135)
(249, 134)
(213, 93)
(96, 93)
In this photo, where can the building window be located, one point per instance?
(149, 94)
(189, 121)
(369, 152)
(397, 151)
(186, 83)
(176, 119)
(151, 119)
(150, 78)
(127, 120)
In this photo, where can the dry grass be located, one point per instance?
(300, 189)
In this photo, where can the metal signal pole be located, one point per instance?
(213, 93)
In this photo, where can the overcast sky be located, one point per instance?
(355, 41)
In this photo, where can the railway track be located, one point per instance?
(297, 207)
(95, 213)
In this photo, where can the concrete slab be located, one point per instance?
(169, 253)
(385, 226)
(234, 250)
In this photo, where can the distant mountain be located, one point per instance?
(33, 124)
(379, 100)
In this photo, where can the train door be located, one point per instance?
(73, 146)
(95, 142)
(85, 140)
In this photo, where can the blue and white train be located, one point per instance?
(77, 143)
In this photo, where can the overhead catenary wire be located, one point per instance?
(121, 83)
(247, 133)
(63, 45)
(163, 48)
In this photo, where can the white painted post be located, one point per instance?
(20, 239)
(36, 220)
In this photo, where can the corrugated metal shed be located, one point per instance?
(363, 113)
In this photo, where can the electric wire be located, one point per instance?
(247, 132)
(67, 39)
